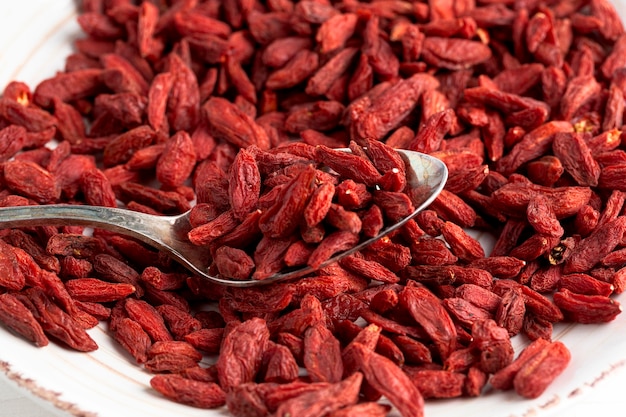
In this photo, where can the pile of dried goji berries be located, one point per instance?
(225, 105)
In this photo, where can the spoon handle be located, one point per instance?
(139, 225)
(166, 233)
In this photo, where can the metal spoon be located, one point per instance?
(426, 175)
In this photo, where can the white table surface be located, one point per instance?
(15, 403)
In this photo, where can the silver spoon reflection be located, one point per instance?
(426, 176)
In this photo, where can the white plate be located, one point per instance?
(35, 39)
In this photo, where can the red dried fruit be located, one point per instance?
(596, 246)
(534, 144)
(369, 269)
(427, 310)
(241, 353)
(576, 158)
(131, 336)
(453, 53)
(542, 218)
(282, 218)
(280, 51)
(187, 391)
(511, 311)
(513, 198)
(541, 369)
(80, 246)
(69, 86)
(585, 284)
(95, 290)
(366, 409)
(97, 189)
(121, 148)
(179, 322)
(389, 380)
(296, 70)
(319, 204)
(157, 101)
(282, 366)
(244, 184)
(149, 319)
(229, 123)
(233, 263)
(32, 181)
(463, 245)
(322, 355)
(112, 269)
(493, 344)
(335, 242)
(205, 340)
(171, 356)
(206, 233)
(323, 400)
(176, 161)
(12, 140)
(16, 317)
(438, 383)
(391, 107)
(503, 379)
(12, 275)
(582, 308)
(322, 80)
(55, 322)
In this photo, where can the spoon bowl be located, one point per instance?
(426, 177)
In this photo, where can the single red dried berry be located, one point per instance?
(241, 353)
(177, 160)
(596, 246)
(438, 383)
(187, 391)
(229, 123)
(149, 319)
(233, 263)
(17, 317)
(282, 366)
(68, 86)
(322, 355)
(541, 369)
(390, 380)
(95, 290)
(493, 344)
(463, 245)
(335, 242)
(171, 356)
(427, 310)
(121, 148)
(32, 181)
(283, 217)
(323, 400)
(582, 308)
(244, 184)
(131, 336)
(97, 189)
(576, 157)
